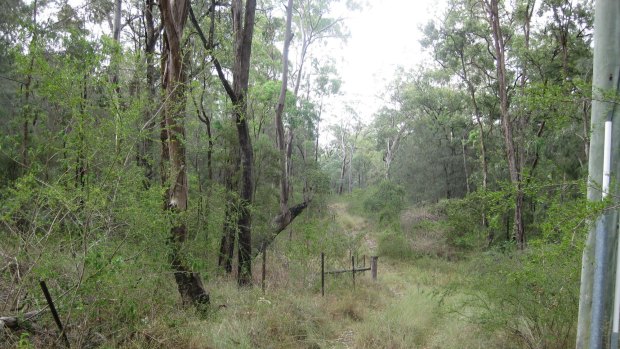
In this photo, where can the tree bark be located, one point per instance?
(284, 140)
(243, 33)
(283, 143)
(278, 224)
(174, 15)
(145, 145)
(227, 244)
(243, 30)
(465, 165)
(511, 156)
(116, 30)
(206, 119)
(25, 146)
(342, 173)
(392, 147)
(351, 168)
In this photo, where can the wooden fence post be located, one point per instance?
(322, 274)
(373, 267)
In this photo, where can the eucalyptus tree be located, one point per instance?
(456, 44)
(568, 36)
(243, 30)
(500, 40)
(326, 83)
(174, 172)
(394, 123)
(152, 30)
(435, 115)
(28, 90)
(285, 141)
(295, 125)
(314, 25)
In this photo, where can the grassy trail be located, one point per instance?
(400, 310)
(407, 312)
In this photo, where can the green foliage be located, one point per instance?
(530, 295)
(396, 245)
(24, 341)
(81, 214)
(464, 217)
(384, 201)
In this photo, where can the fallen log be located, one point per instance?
(22, 322)
(278, 224)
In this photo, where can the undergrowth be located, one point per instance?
(113, 287)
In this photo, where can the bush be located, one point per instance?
(394, 244)
(385, 201)
(533, 295)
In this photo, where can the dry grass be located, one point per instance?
(401, 310)
(426, 234)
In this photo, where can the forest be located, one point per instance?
(176, 174)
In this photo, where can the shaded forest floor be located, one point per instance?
(405, 308)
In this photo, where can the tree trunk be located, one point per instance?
(511, 156)
(392, 147)
(229, 234)
(304, 50)
(284, 141)
(483, 149)
(351, 168)
(174, 15)
(25, 146)
(278, 224)
(243, 32)
(206, 119)
(585, 118)
(116, 30)
(342, 173)
(280, 139)
(465, 165)
(145, 145)
(114, 80)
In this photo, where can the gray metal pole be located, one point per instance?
(599, 286)
(604, 80)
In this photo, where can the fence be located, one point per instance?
(372, 268)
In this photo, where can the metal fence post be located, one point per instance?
(322, 274)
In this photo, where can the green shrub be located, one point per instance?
(533, 295)
(394, 244)
(385, 201)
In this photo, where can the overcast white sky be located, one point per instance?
(384, 35)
